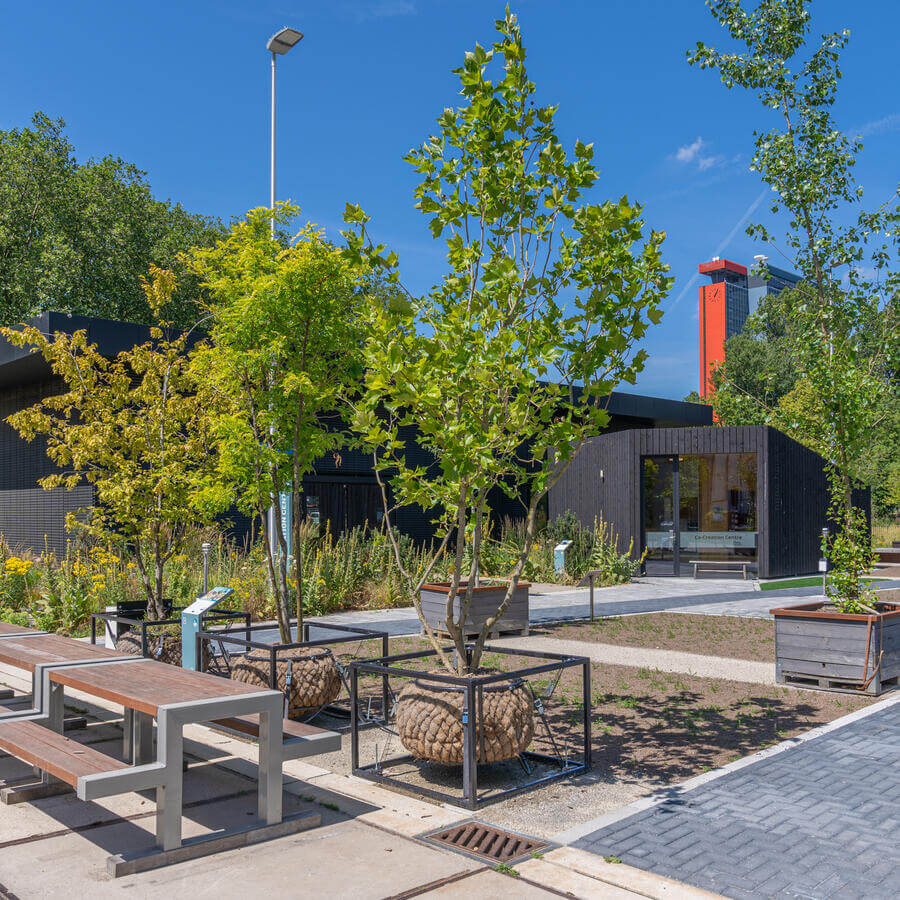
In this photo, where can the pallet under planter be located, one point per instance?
(486, 599)
(819, 647)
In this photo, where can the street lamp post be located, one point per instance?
(277, 45)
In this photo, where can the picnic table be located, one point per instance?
(146, 690)
(175, 698)
(35, 652)
(7, 630)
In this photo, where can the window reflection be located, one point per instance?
(717, 506)
(715, 496)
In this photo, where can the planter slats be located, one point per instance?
(828, 642)
(818, 646)
(821, 669)
(827, 655)
(485, 601)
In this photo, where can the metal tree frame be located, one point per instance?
(473, 689)
(351, 634)
(144, 625)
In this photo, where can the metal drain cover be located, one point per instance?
(486, 842)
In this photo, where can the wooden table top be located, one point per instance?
(36, 649)
(147, 685)
(6, 628)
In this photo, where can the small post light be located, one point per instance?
(823, 562)
(204, 548)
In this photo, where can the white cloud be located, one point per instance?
(878, 126)
(694, 153)
(689, 152)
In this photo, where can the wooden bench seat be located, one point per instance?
(54, 753)
(298, 738)
(720, 565)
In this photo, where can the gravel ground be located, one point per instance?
(731, 636)
(663, 660)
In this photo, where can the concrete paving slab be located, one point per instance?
(344, 859)
(571, 882)
(646, 884)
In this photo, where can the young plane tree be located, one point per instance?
(844, 332)
(504, 365)
(133, 428)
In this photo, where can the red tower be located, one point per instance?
(724, 307)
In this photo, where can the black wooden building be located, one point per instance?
(342, 491)
(748, 494)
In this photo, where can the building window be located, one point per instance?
(699, 506)
(717, 506)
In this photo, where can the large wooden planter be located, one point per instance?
(817, 646)
(486, 599)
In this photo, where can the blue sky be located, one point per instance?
(181, 89)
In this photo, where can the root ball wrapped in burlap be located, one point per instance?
(315, 680)
(429, 721)
(165, 647)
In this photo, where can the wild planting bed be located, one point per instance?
(650, 729)
(729, 636)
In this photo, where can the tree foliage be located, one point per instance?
(77, 237)
(504, 365)
(844, 347)
(133, 428)
(284, 351)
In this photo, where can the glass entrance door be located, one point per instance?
(698, 507)
(660, 519)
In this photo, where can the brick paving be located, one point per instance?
(818, 820)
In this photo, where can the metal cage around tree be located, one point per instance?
(488, 735)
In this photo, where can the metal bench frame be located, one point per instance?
(725, 565)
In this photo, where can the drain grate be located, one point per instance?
(486, 842)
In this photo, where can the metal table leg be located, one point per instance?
(170, 749)
(270, 761)
(142, 740)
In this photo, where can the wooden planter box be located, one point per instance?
(819, 647)
(485, 601)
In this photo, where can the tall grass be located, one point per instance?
(352, 570)
(885, 533)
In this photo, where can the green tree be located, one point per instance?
(284, 351)
(77, 237)
(844, 349)
(758, 369)
(503, 366)
(133, 428)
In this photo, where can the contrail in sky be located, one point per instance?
(722, 246)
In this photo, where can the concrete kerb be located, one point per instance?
(570, 870)
(571, 835)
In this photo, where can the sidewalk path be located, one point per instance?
(717, 596)
(650, 658)
(710, 596)
(816, 817)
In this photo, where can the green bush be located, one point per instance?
(596, 547)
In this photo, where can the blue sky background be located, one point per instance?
(182, 90)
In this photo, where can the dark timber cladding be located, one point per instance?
(341, 491)
(606, 479)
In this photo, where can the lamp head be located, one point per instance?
(283, 40)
